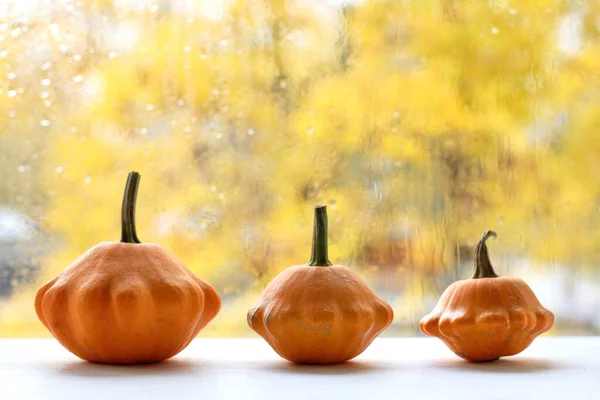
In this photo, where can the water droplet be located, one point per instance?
(149, 107)
(46, 66)
(187, 48)
(59, 169)
(153, 8)
(44, 95)
(77, 78)
(143, 131)
(87, 180)
(223, 42)
(11, 93)
(187, 129)
(63, 48)
(47, 103)
(3, 27)
(250, 132)
(45, 122)
(77, 57)
(45, 82)
(15, 32)
(11, 75)
(22, 168)
(112, 54)
(310, 131)
(3, 53)
(495, 31)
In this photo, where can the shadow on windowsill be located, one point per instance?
(503, 365)
(347, 368)
(164, 368)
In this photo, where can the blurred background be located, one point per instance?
(419, 123)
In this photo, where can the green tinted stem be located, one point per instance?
(128, 233)
(319, 255)
(483, 266)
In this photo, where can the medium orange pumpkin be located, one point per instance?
(487, 317)
(126, 302)
(319, 313)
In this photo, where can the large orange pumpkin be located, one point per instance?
(126, 302)
(319, 313)
(487, 317)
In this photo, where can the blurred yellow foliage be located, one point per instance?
(420, 124)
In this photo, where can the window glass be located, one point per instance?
(419, 123)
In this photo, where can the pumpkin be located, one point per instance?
(126, 302)
(319, 313)
(487, 316)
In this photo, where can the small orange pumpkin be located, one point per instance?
(487, 317)
(319, 313)
(126, 302)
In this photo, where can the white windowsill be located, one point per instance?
(403, 368)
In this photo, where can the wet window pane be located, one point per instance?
(419, 123)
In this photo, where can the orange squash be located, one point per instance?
(126, 302)
(487, 316)
(319, 313)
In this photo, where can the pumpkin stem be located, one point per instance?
(483, 266)
(319, 255)
(128, 233)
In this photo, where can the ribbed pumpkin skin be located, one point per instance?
(319, 315)
(126, 303)
(484, 319)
